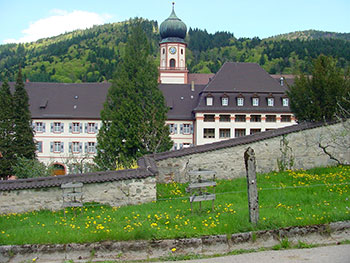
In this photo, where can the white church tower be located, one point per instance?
(173, 68)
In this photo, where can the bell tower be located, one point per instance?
(172, 69)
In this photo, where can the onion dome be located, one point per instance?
(173, 29)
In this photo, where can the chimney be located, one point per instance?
(192, 85)
(282, 81)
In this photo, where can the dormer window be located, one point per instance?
(285, 102)
(224, 101)
(240, 101)
(209, 101)
(270, 102)
(255, 102)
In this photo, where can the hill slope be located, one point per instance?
(84, 55)
(311, 35)
(92, 55)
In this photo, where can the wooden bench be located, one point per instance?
(198, 189)
(72, 195)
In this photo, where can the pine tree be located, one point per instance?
(134, 114)
(23, 143)
(316, 97)
(8, 160)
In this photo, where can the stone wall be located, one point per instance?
(294, 147)
(117, 191)
(139, 250)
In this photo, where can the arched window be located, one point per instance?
(182, 51)
(163, 51)
(172, 63)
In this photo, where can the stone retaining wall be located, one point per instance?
(294, 147)
(208, 245)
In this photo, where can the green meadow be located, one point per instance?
(290, 198)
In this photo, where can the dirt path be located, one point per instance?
(327, 254)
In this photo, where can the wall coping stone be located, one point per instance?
(86, 178)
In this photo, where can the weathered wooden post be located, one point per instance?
(253, 199)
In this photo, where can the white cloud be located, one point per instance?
(60, 22)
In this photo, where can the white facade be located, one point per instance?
(64, 142)
(214, 127)
(181, 133)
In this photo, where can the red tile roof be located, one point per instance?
(200, 79)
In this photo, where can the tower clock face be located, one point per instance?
(172, 50)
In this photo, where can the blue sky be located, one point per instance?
(28, 20)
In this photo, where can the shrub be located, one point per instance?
(30, 168)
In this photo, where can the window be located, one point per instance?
(255, 118)
(90, 147)
(172, 63)
(57, 127)
(56, 147)
(255, 102)
(286, 118)
(75, 147)
(39, 147)
(76, 127)
(239, 132)
(224, 101)
(253, 131)
(240, 118)
(172, 128)
(91, 127)
(209, 117)
(175, 146)
(270, 102)
(187, 129)
(182, 51)
(209, 101)
(163, 50)
(224, 133)
(39, 127)
(270, 118)
(285, 102)
(225, 118)
(208, 133)
(186, 145)
(240, 102)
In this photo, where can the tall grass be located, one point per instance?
(291, 198)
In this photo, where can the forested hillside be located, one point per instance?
(81, 56)
(311, 34)
(92, 55)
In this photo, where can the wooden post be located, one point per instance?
(253, 199)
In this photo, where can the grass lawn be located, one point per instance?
(288, 198)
